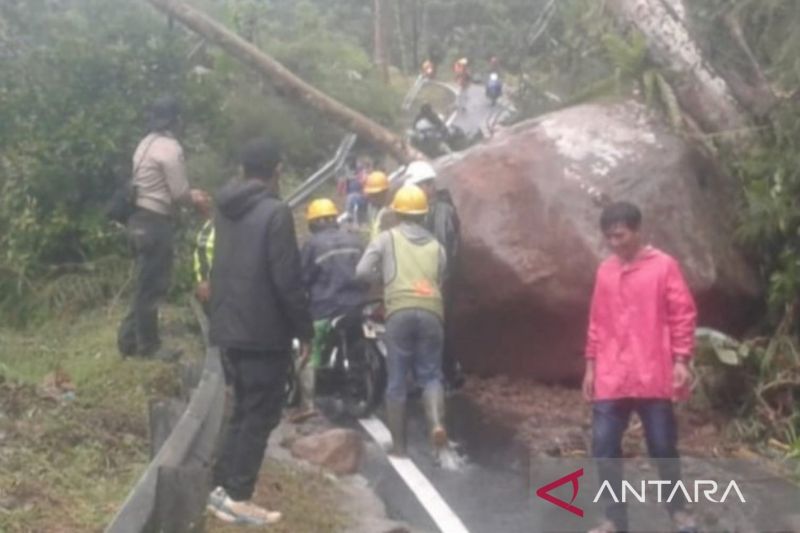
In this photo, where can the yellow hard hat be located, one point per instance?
(320, 208)
(376, 182)
(410, 200)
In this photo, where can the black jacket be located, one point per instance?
(258, 301)
(442, 221)
(329, 266)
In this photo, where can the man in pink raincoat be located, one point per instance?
(640, 341)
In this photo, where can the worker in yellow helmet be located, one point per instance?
(411, 265)
(329, 259)
(376, 188)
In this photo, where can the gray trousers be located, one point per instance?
(151, 237)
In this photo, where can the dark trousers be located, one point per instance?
(258, 380)
(609, 422)
(451, 368)
(151, 238)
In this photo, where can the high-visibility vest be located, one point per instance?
(416, 284)
(204, 252)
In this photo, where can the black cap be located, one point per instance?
(164, 113)
(260, 158)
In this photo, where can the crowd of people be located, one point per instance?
(262, 293)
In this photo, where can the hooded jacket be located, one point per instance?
(329, 267)
(642, 317)
(258, 301)
(442, 221)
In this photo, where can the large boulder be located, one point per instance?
(530, 200)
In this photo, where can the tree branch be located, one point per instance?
(285, 80)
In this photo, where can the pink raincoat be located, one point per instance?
(642, 317)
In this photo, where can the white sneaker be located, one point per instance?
(242, 513)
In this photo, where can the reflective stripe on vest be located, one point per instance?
(375, 226)
(204, 252)
(416, 281)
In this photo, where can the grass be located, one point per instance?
(66, 464)
(309, 501)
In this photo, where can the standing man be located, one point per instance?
(411, 265)
(442, 221)
(258, 305)
(376, 187)
(329, 260)
(640, 341)
(159, 178)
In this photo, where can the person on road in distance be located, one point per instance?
(411, 265)
(461, 71)
(258, 306)
(379, 217)
(640, 342)
(442, 221)
(159, 178)
(463, 79)
(428, 69)
(329, 260)
(355, 203)
(494, 83)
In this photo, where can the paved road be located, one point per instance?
(489, 493)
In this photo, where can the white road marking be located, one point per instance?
(444, 517)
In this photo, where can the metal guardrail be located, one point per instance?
(190, 444)
(322, 175)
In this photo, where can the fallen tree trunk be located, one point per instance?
(292, 85)
(704, 94)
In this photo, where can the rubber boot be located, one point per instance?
(433, 402)
(306, 381)
(307, 384)
(396, 420)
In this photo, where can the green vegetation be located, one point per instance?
(73, 419)
(78, 76)
(309, 501)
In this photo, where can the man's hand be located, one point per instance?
(681, 377)
(203, 291)
(303, 354)
(201, 200)
(588, 382)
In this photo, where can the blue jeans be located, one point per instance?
(609, 422)
(356, 206)
(414, 339)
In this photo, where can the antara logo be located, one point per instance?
(544, 492)
(666, 491)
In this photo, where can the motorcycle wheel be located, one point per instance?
(366, 381)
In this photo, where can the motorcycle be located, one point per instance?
(353, 363)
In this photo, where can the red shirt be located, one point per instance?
(642, 317)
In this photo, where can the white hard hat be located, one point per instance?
(418, 172)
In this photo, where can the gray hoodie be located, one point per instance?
(378, 263)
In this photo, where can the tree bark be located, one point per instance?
(702, 93)
(415, 34)
(379, 50)
(289, 83)
(400, 34)
(753, 90)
